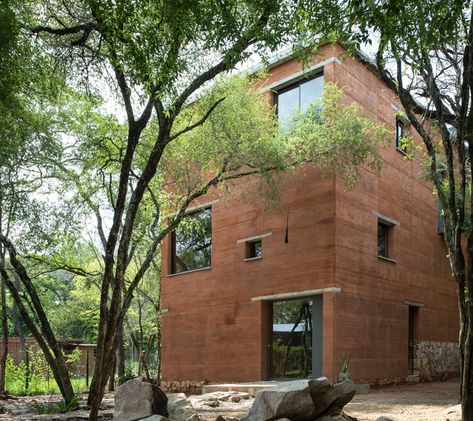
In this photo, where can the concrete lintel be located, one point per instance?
(413, 303)
(201, 206)
(198, 207)
(295, 294)
(299, 75)
(254, 237)
(386, 219)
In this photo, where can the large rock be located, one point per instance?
(454, 413)
(301, 400)
(180, 408)
(137, 399)
(287, 400)
(155, 418)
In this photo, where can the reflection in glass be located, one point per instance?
(288, 102)
(297, 98)
(291, 339)
(311, 91)
(191, 244)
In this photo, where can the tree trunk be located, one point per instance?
(121, 357)
(4, 352)
(17, 324)
(466, 361)
(44, 336)
(111, 380)
(4, 349)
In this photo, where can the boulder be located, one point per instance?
(180, 408)
(287, 400)
(383, 418)
(137, 399)
(155, 418)
(453, 413)
(301, 400)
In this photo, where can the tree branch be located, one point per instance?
(197, 123)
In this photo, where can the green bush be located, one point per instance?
(37, 379)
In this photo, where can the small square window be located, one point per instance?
(401, 133)
(383, 239)
(254, 249)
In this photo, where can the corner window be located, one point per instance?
(401, 133)
(191, 242)
(383, 239)
(254, 249)
(297, 97)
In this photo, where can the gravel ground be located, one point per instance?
(421, 402)
(417, 402)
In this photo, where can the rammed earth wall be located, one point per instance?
(436, 360)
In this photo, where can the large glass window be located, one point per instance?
(297, 97)
(191, 242)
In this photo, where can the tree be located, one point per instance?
(154, 51)
(424, 53)
(24, 138)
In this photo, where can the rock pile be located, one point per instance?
(303, 400)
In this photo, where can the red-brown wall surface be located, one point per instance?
(212, 330)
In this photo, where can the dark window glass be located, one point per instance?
(297, 97)
(401, 132)
(191, 242)
(254, 249)
(383, 232)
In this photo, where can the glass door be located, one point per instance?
(291, 338)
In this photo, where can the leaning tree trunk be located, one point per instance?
(44, 335)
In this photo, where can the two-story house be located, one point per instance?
(331, 279)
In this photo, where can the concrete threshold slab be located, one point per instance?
(253, 387)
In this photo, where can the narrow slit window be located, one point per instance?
(383, 239)
(401, 133)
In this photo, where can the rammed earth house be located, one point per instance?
(332, 280)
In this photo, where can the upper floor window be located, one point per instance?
(383, 239)
(254, 249)
(401, 133)
(385, 236)
(297, 97)
(191, 242)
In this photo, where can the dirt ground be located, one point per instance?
(417, 402)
